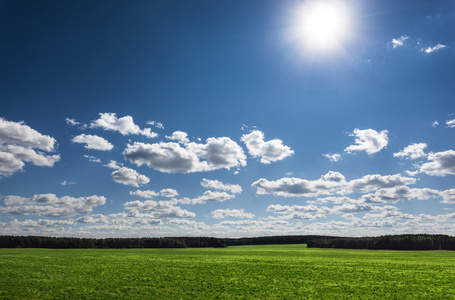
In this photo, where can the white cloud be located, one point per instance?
(435, 123)
(17, 145)
(329, 184)
(208, 196)
(448, 196)
(169, 193)
(412, 151)
(49, 205)
(159, 209)
(158, 125)
(129, 176)
(72, 122)
(124, 125)
(93, 142)
(434, 48)
(399, 42)
(333, 157)
(231, 213)
(450, 123)
(218, 185)
(144, 194)
(217, 153)
(64, 182)
(295, 187)
(441, 164)
(368, 140)
(374, 182)
(395, 194)
(92, 158)
(269, 151)
(179, 136)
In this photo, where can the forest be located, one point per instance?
(386, 242)
(389, 242)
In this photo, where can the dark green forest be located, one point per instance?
(389, 242)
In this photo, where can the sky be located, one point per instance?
(227, 118)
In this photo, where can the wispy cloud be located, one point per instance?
(434, 48)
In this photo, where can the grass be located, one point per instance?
(245, 272)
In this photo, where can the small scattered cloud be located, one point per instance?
(64, 182)
(93, 142)
(158, 209)
(368, 140)
(124, 125)
(93, 158)
(231, 213)
(270, 151)
(413, 151)
(434, 48)
(218, 185)
(158, 125)
(435, 123)
(399, 42)
(72, 122)
(179, 136)
(332, 157)
(129, 176)
(450, 123)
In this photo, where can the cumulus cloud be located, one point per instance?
(124, 125)
(448, 196)
(399, 42)
(440, 164)
(169, 193)
(269, 151)
(395, 194)
(216, 153)
(413, 151)
(19, 144)
(159, 209)
(368, 140)
(129, 176)
(49, 205)
(208, 196)
(179, 136)
(299, 212)
(333, 157)
(231, 213)
(93, 142)
(435, 48)
(329, 184)
(297, 187)
(218, 185)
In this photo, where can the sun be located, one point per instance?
(321, 25)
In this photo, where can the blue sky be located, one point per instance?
(227, 118)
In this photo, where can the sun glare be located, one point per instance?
(321, 25)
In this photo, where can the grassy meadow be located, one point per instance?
(242, 272)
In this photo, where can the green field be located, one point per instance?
(261, 272)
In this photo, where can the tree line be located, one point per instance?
(69, 242)
(389, 242)
(162, 242)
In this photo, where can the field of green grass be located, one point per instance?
(244, 272)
